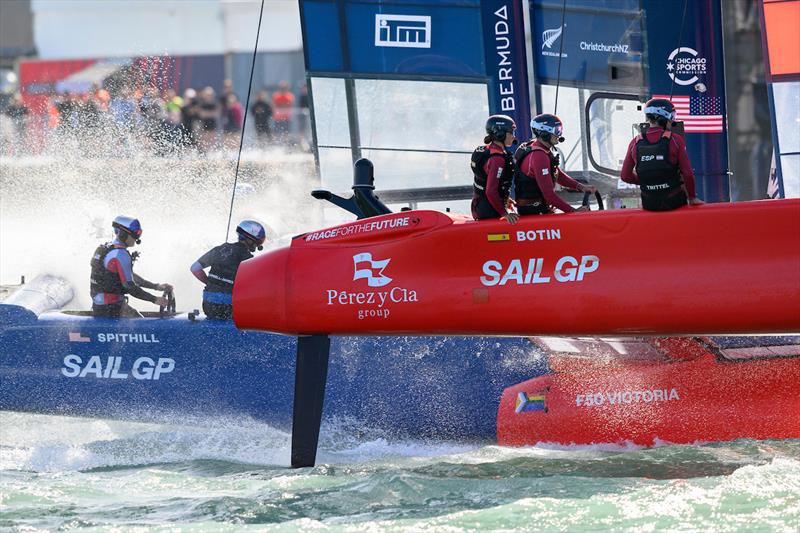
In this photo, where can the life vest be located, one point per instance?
(478, 162)
(526, 186)
(223, 271)
(102, 279)
(660, 180)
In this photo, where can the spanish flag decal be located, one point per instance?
(498, 237)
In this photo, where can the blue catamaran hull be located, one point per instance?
(149, 369)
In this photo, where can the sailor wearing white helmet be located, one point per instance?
(224, 261)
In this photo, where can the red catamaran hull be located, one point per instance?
(722, 268)
(704, 399)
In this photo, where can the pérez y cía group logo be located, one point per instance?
(371, 304)
(372, 271)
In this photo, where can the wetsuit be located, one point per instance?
(224, 261)
(493, 171)
(112, 277)
(536, 176)
(667, 177)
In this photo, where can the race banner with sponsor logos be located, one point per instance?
(506, 62)
(465, 40)
(689, 66)
(599, 43)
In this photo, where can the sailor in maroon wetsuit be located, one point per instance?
(657, 162)
(538, 170)
(493, 169)
(112, 274)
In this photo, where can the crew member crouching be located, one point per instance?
(224, 261)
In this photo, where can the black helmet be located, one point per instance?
(498, 126)
(547, 124)
(659, 109)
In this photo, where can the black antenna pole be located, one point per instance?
(560, 53)
(244, 122)
(680, 34)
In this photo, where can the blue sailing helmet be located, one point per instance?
(252, 231)
(128, 226)
(547, 124)
(659, 109)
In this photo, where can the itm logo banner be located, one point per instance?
(402, 31)
(365, 268)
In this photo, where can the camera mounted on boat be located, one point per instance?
(363, 203)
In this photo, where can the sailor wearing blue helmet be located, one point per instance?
(224, 261)
(112, 274)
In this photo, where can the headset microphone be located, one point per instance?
(561, 139)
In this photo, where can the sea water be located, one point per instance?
(60, 473)
(230, 474)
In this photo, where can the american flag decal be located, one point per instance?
(78, 337)
(700, 114)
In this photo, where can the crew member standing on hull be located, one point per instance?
(657, 162)
(224, 261)
(493, 168)
(112, 274)
(538, 170)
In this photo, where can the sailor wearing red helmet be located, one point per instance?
(224, 261)
(657, 162)
(538, 170)
(493, 170)
(112, 274)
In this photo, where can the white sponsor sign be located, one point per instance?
(358, 229)
(685, 65)
(626, 397)
(402, 31)
(114, 367)
(371, 304)
(532, 271)
(132, 338)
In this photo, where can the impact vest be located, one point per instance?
(526, 186)
(478, 162)
(659, 180)
(223, 270)
(103, 280)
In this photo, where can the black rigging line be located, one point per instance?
(560, 53)
(244, 121)
(680, 34)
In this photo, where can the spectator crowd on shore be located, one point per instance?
(121, 120)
